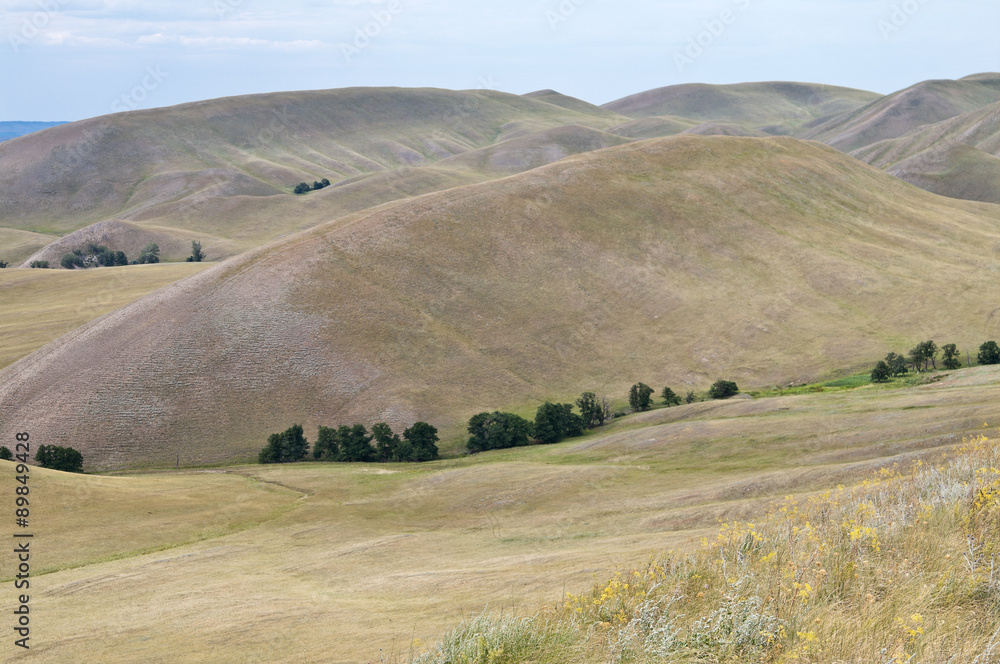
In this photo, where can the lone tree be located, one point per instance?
(422, 439)
(556, 421)
(496, 430)
(881, 373)
(723, 389)
(689, 397)
(669, 398)
(594, 411)
(285, 447)
(640, 397)
(951, 358)
(197, 255)
(59, 458)
(6, 454)
(896, 364)
(989, 353)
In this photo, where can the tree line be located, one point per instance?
(923, 357)
(555, 422)
(303, 187)
(52, 456)
(353, 444)
(98, 255)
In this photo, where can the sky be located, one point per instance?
(74, 59)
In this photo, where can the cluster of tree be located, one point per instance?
(41, 264)
(197, 255)
(922, 357)
(59, 458)
(93, 255)
(353, 444)
(302, 187)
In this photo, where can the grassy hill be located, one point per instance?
(897, 114)
(675, 261)
(773, 107)
(247, 564)
(206, 167)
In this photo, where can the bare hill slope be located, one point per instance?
(674, 261)
(897, 114)
(772, 107)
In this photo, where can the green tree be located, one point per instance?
(3, 264)
(556, 421)
(326, 447)
(640, 397)
(896, 364)
(39, 264)
(59, 458)
(386, 442)
(930, 351)
(669, 398)
(197, 255)
(592, 410)
(496, 430)
(950, 358)
(6, 454)
(302, 188)
(689, 397)
(422, 439)
(285, 447)
(989, 353)
(881, 373)
(149, 254)
(72, 261)
(723, 389)
(355, 443)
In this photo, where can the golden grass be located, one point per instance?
(42, 305)
(389, 557)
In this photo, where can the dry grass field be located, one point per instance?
(39, 306)
(674, 261)
(323, 563)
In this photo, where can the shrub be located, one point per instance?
(59, 458)
(39, 264)
(496, 430)
(723, 389)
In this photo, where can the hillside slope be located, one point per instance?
(178, 168)
(772, 107)
(674, 261)
(897, 114)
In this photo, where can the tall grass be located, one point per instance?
(904, 567)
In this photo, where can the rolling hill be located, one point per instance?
(225, 167)
(897, 114)
(772, 107)
(674, 261)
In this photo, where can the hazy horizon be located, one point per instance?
(72, 59)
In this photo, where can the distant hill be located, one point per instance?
(897, 114)
(675, 261)
(222, 167)
(774, 107)
(9, 130)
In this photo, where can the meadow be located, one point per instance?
(349, 563)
